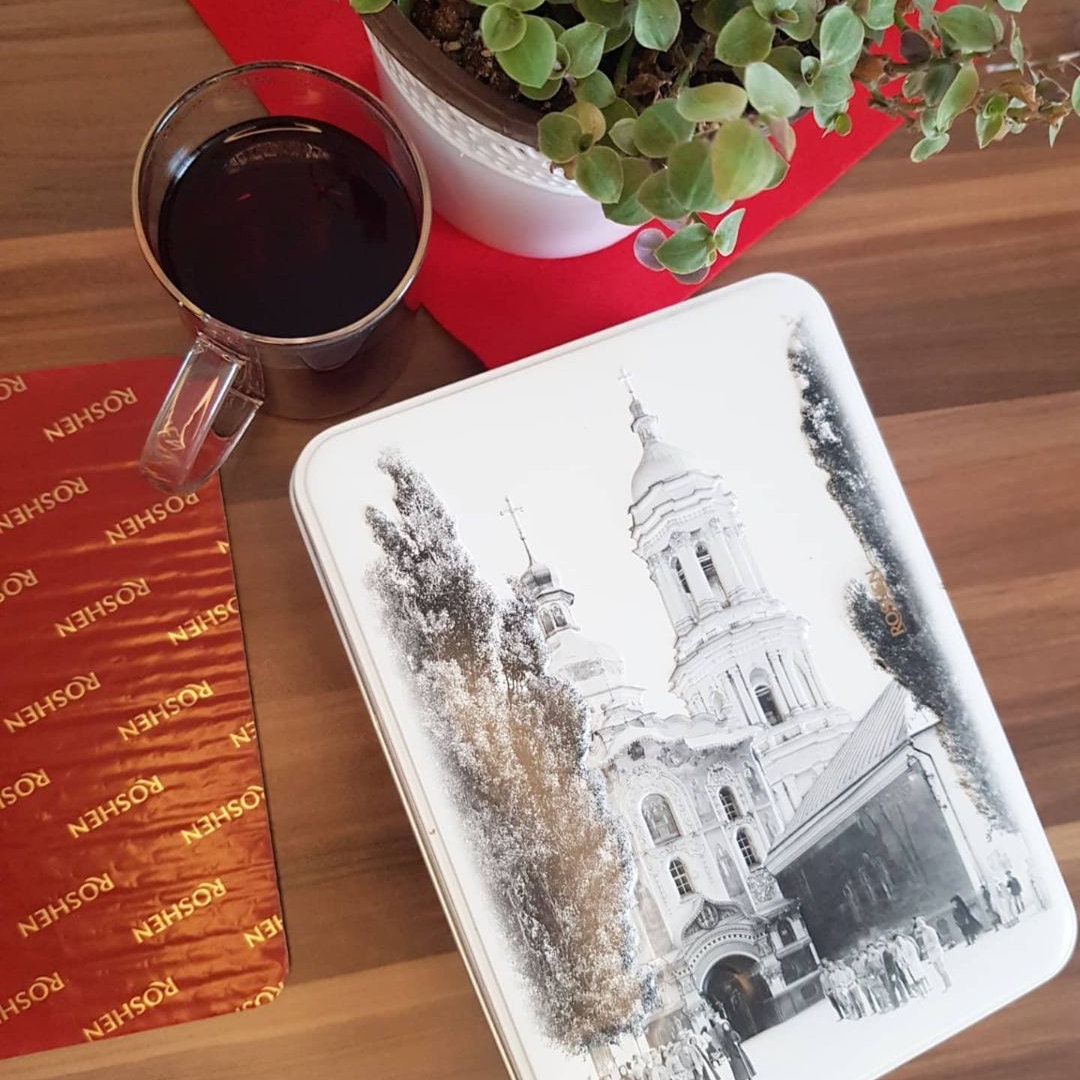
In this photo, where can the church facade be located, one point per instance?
(705, 793)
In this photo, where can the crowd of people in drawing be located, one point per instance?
(713, 1052)
(892, 970)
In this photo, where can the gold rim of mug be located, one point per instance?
(387, 119)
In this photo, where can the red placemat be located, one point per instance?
(138, 877)
(504, 306)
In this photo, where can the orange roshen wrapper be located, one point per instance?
(138, 879)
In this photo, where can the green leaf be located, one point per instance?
(660, 128)
(989, 122)
(622, 135)
(746, 37)
(841, 124)
(938, 80)
(726, 234)
(970, 27)
(585, 44)
(655, 195)
(599, 174)
(618, 36)
(542, 93)
(842, 35)
(928, 147)
(589, 117)
(531, 60)
(961, 93)
(501, 27)
(521, 5)
(1016, 46)
(743, 162)
(783, 135)
(712, 15)
(1012, 5)
(559, 137)
(628, 211)
(833, 86)
(690, 175)
(601, 12)
(712, 102)
(1075, 97)
(688, 250)
(880, 14)
(802, 29)
(769, 92)
(656, 23)
(597, 88)
(368, 7)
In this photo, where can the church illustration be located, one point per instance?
(770, 828)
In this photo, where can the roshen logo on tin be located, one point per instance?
(122, 803)
(202, 896)
(113, 402)
(173, 705)
(155, 514)
(10, 385)
(157, 993)
(31, 782)
(205, 621)
(42, 503)
(77, 688)
(15, 583)
(124, 594)
(264, 997)
(264, 930)
(73, 900)
(41, 988)
(227, 812)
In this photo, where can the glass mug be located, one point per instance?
(286, 213)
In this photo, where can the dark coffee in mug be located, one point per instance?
(286, 227)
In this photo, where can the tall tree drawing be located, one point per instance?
(514, 740)
(914, 657)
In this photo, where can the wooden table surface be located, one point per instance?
(956, 287)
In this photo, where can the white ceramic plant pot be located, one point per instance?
(492, 186)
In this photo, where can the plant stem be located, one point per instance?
(691, 63)
(622, 68)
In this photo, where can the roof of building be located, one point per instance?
(660, 461)
(878, 733)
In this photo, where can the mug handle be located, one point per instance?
(209, 406)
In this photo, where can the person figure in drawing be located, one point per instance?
(872, 986)
(876, 964)
(907, 956)
(966, 923)
(894, 974)
(831, 990)
(1016, 894)
(930, 945)
(731, 1044)
(988, 905)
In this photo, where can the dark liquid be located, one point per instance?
(286, 227)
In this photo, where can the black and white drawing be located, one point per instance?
(702, 880)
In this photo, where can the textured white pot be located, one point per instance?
(491, 186)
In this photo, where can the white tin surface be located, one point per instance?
(741, 697)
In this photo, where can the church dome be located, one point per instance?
(660, 461)
(539, 578)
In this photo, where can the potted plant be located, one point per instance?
(618, 112)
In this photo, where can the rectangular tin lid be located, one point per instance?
(693, 744)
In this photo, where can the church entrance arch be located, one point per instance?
(733, 988)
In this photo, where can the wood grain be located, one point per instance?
(955, 287)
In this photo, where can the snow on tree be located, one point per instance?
(514, 740)
(914, 656)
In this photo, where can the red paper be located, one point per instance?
(501, 306)
(139, 881)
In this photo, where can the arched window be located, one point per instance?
(680, 573)
(767, 701)
(786, 932)
(747, 850)
(707, 567)
(656, 811)
(677, 869)
(717, 702)
(559, 616)
(728, 804)
(547, 623)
